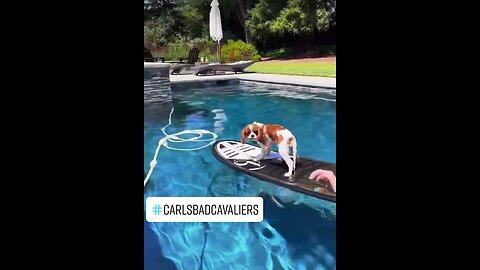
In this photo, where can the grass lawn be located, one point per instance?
(306, 69)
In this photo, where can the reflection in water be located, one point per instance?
(220, 119)
(192, 115)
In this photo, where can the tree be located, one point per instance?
(242, 8)
(158, 30)
(296, 17)
(155, 33)
(262, 17)
(193, 22)
(274, 23)
(326, 14)
(155, 7)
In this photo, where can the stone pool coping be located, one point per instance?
(156, 65)
(306, 81)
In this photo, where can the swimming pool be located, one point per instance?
(298, 233)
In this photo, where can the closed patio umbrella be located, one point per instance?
(216, 32)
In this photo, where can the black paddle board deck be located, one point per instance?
(272, 168)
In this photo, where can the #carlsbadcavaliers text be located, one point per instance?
(193, 209)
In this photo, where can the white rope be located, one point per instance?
(175, 138)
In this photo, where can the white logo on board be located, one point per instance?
(255, 163)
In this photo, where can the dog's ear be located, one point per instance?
(260, 134)
(243, 135)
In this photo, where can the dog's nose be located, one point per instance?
(251, 136)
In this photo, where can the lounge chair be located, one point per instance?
(192, 58)
(213, 68)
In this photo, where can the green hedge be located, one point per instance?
(238, 50)
(233, 51)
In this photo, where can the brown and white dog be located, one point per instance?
(265, 135)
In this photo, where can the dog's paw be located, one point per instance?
(288, 174)
(257, 158)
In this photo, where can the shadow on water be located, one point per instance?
(159, 112)
(304, 227)
(184, 108)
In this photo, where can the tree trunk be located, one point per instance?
(248, 37)
(241, 9)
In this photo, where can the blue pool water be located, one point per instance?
(297, 234)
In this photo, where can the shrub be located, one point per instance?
(238, 50)
(208, 55)
(281, 52)
(155, 33)
(233, 51)
(326, 50)
(207, 47)
(176, 50)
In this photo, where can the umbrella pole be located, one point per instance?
(219, 51)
